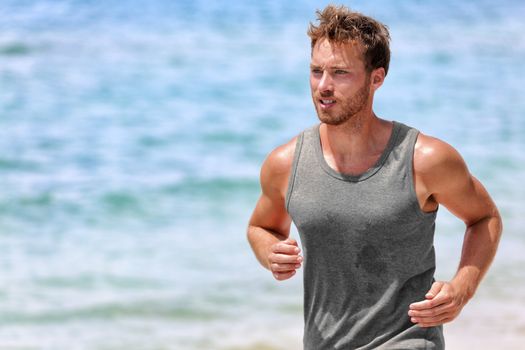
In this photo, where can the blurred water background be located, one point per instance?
(131, 137)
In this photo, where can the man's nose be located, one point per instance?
(326, 83)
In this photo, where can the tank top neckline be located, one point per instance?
(367, 173)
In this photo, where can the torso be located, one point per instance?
(368, 248)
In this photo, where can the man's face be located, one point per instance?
(339, 81)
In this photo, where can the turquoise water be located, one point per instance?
(131, 137)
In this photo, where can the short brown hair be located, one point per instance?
(339, 24)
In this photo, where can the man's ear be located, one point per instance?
(377, 77)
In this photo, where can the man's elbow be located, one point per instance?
(496, 224)
(492, 222)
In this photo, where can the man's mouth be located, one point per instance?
(327, 102)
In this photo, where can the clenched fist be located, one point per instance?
(284, 259)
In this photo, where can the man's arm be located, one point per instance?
(445, 176)
(269, 226)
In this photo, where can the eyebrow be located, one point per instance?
(332, 67)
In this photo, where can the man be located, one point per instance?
(363, 193)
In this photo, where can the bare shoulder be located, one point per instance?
(277, 166)
(431, 152)
(437, 162)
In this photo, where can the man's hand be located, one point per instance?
(443, 304)
(284, 259)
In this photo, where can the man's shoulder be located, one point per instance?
(434, 157)
(277, 166)
(279, 161)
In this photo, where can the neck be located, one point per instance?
(361, 137)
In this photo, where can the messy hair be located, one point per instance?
(339, 24)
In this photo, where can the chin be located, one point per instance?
(331, 119)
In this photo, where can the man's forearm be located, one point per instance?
(261, 240)
(479, 248)
(444, 300)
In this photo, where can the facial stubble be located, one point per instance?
(348, 108)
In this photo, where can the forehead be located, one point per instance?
(328, 53)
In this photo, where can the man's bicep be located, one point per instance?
(458, 190)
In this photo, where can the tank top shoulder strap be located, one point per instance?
(293, 170)
(405, 153)
(403, 149)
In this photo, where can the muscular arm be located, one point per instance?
(269, 227)
(445, 178)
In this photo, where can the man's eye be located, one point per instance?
(340, 71)
(317, 71)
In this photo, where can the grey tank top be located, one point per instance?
(367, 246)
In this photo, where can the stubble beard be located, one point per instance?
(348, 108)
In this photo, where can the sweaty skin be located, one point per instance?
(353, 138)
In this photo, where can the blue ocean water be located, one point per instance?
(131, 138)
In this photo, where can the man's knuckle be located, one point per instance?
(284, 268)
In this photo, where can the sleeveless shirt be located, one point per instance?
(367, 248)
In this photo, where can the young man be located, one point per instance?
(363, 193)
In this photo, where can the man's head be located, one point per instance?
(350, 57)
(340, 25)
